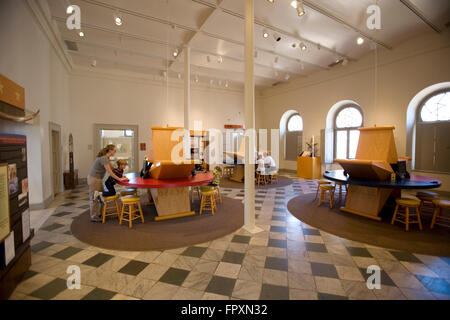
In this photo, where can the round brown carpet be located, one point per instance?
(158, 235)
(282, 182)
(379, 233)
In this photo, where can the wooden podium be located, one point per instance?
(375, 153)
(309, 167)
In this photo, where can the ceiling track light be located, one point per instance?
(81, 34)
(271, 1)
(360, 40)
(276, 37)
(94, 63)
(226, 84)
(303, 46)
(175, 53)
(164, 74)
(179, 75)
(196, 78)
(294, 45)
(265, 34)
(69, 9)
(220, 59)
(208, 58)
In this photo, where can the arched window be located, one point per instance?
(432, 149)
(346, 133)
(294, 137)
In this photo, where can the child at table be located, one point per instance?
(217, 171)
(110, 182)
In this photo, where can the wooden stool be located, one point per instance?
(340, 184)
(426, 200)
(273, 176)
(319, 182)
(208, 201)
(260, 178)
(110, 210)
(131, 202)
(128, 192)
(323, 193)
(407, 203)
(438, 218)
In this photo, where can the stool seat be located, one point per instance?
(442, 203)
(206, 188)
(208, 193)
(327, 187)
(112, 198)
(128, 192)
(323, 181)
(408, 202)
(130, 199)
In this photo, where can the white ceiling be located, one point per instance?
(153, 29)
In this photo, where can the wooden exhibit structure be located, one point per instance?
(238, 159)
(309, 167)
(375, 153)
(170, 202)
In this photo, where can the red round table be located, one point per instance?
(171, 196)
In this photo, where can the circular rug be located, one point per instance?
(159, 235)
(378, 233)
(282, 182)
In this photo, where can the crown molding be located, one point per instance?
(51, 34)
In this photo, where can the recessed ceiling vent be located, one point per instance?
(71, 45)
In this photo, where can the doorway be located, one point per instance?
(55, 157)
(124, 137)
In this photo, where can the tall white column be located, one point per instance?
(187, 101)
(249, 111)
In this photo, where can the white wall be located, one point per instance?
(402, 73)
(97, 98)
(28, 59)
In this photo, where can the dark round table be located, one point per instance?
(367, 197)
(414, 182)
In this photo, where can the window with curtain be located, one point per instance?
(346, 133)
(432, 148)
(294, 135)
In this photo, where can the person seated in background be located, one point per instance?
(110, 182)
(269, 163)
(260, 165)
(217, 171)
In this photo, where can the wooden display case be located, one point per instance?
(309, 167)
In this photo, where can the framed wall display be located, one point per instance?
(4, 202)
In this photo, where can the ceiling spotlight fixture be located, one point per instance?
(196, 78)
(175, 53)
(319, 46)
(118, 19)
(81, 34)
(276, 37)
(294, 45)
(265, 34)
(226, 84)
(179, 75)
(220, 59)
(69, 9)
(271, 1)
(208, 58)
(94, 63)
(300, 8)
(164, 74)
(303, 46)
(211, 82)
(360, 41)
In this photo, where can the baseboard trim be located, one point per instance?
(42, 205)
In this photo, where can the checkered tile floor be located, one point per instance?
(288, 260)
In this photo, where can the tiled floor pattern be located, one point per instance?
(288, 260)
